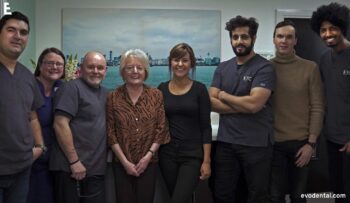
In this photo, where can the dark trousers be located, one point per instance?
(180, 167)
(339, 171)
(68, 190)
(14, 187)
(41, 184)
(286, 177)
(131, 189)
(255, 162)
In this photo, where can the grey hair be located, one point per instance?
(135, 53)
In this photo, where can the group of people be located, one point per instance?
(57, 149)
(271, 114)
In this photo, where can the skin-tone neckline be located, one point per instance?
(9, 64)
(180, 86)
(134, 92)
(47, 85)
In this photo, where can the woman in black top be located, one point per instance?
(186, 159)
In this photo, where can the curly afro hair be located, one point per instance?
(335, 13)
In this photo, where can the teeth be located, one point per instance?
(330, 39)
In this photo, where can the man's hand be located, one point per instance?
(221, 95)
(304, 155)
(346, 148)
(78, 171)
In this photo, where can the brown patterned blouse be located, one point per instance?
(136, 127)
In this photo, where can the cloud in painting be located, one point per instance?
(155, 31)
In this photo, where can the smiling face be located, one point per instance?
(134, 72)
(181, 66)
(52, 67)
(93, 69)
(242, 43)
(13, 38)
(331, 34)
(285, 40)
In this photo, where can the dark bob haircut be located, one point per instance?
(179, 51)
(46, 52)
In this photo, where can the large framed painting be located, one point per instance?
(112, 31)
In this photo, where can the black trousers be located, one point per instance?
(180, 167)
(131, 189)
(255, 162)
(339, 171)
(286, 177)
(68, 190)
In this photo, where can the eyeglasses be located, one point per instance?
(53, 63)
(130, 69)
(78, 186)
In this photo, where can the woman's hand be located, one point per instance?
(130, 169)
(205, 171)
(143, 163)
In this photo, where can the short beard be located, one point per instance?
(245, 52)
(332, 45)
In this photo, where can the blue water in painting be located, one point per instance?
(157, 75)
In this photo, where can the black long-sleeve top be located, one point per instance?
(188, 114)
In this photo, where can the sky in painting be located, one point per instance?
(155, 31)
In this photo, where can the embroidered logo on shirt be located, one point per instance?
(346, 72)
(247, 78)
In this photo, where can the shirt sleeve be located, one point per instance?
(216, 82)
(316, 101)
(205, 109)
(111, 121)
(162, 127)
(38, 98)
(67, 99)
(265, 78)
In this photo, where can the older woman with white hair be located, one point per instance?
(136, 127)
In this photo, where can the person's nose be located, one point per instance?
(328, 33)
(17, 35)
(134, 69)
(284, 39)
(239, 39)
(95, 70)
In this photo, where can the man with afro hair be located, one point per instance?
(331, 23)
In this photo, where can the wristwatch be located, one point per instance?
(41, 146)
(312, 144)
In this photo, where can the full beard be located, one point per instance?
(246, 51)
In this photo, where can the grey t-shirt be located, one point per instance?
(240, 128)
(86, 107)
(335, 72)
(19, 96)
